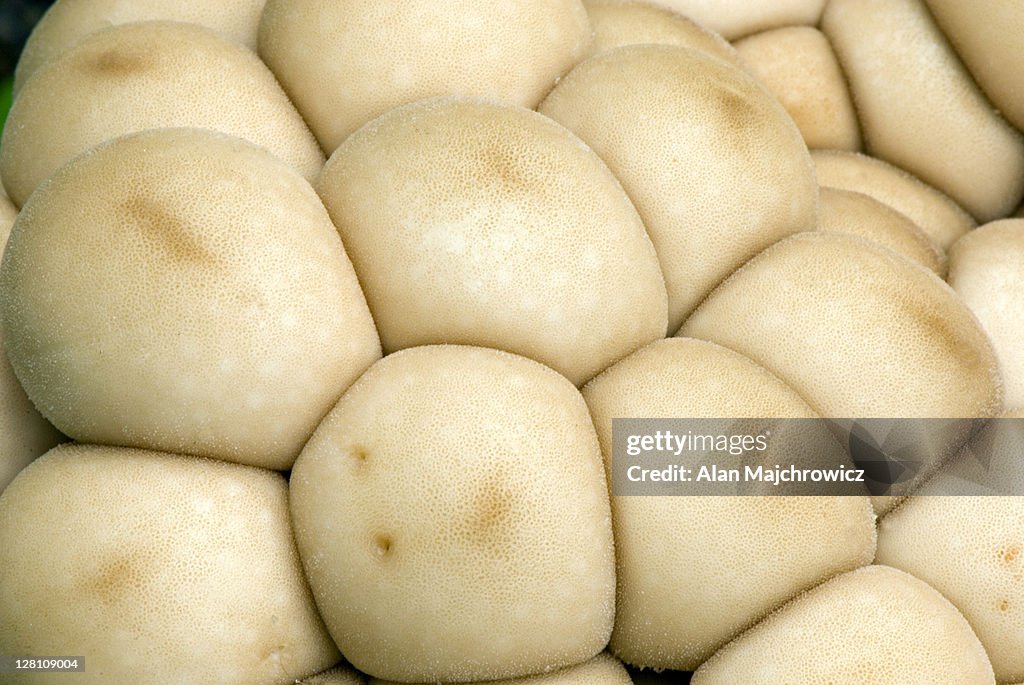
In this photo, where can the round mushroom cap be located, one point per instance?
(797, 65)
(986, 268)
(24, 433)
(452, 516)
(184, 291)
(345, 63)
(872, 625)
(716, 168)
(618, 23)
(987, 36)
(158, 568)
(920, 109)
(853, 213)
(603, 669)
(737, 18)
(482, 224)
(860, 333)
(935, 213)
(695, 571)
(67, 22)
(970, 548)
(144, 76)
(856, 329)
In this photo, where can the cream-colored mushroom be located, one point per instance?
(988, 37)
(847, 211)
(872, 625)
(936, 214)
(797, 65)
(67, 22)
(24, 433)
(345, 63)
(618, 23)
(146, 76)
(452, 516)
(986, 268)
(970, 548)
(157, 568)
(694, 571)
(481, 224)
(603, 669)
(737, 18)
(920, 109)
(859, 332)
(715, 166)
(185, 291)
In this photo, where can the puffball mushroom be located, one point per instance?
(452, 517)
(969, 548)
(345, 63)
(936, 214)
(146, 76)
(66, 22)
(737, 18)
(694, 571)
(797, 65)
(603, 669)
(158, 568)
(986, 268)
(185, 291)
(872, 625)
(618, 23)
(987, 36)
(859, 332)
(24, 433)
(475, 223)
(715, 166)
(919, 107)
(846, 211)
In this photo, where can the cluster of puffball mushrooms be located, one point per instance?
(316, 315)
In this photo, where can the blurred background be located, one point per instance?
(17, 17)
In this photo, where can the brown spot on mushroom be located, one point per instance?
(117, 62)
(113, 579)
(493, 506)
(1003, 606)
(159, 225)
(511, 171)
(383, 544)
(1010, 554)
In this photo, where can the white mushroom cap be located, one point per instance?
(157, 568)
(920, 109)
(797, 65)
(986, 268)
(345, 63)
(847, 211)
(694, 571)
(618, 23)
(145, 76)
(874, 625)
(935, 213)
(971, 549)
(66, 22)
(185, 291)
(481, 224)
(715, 166)
(988, 37)
(452, 516)
(24, 433)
